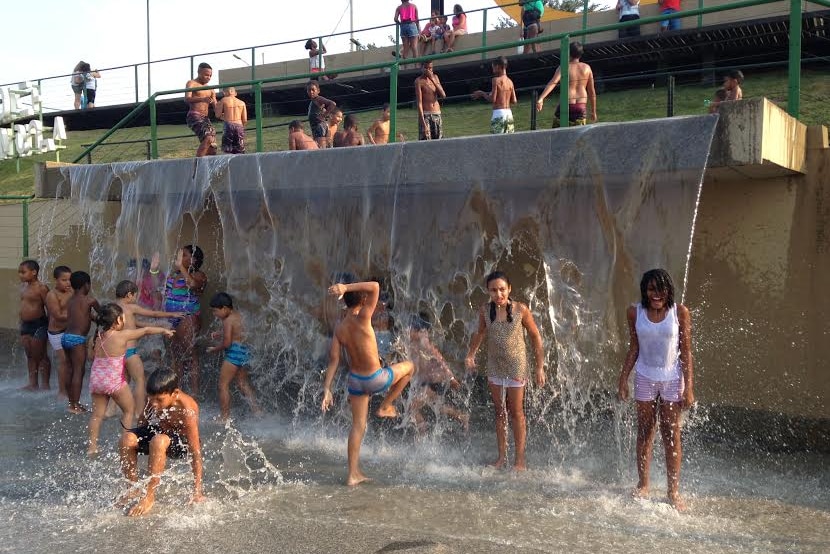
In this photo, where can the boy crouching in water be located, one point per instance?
(237, 355)
(168, 426)
(354, 332)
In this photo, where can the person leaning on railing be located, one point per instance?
(532, 11)
(629, 11)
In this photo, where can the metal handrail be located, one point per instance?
(25, 204)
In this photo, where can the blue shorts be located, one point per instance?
(409, 30)
(131, 352)
(69, 340)
(670, 24)
(376, 383)
(238, 354)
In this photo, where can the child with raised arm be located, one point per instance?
(504, 323)
(378, 132)
(56, 302)
(502, 95)
(168, 426)
(355, 334)
(237, 354)
(106, 377)
(660, 353)
(33, 325)
(234, 113)
(78, 321)
(126, 294)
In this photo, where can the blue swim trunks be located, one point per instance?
(131, 352)
(375, 383)
(238, 354)
(69, 340)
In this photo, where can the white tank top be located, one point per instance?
(659, 356)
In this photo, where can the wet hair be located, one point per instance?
(736, 74)
(60, 270)
(204, 65)
(500, 62)
(197, 257)
(78, 279)
(351, 298)
(162, 381)
(577, 50)
(492, 277)
(662, 282)
(221, 300)
(31, 264)
(312, 83)
(350, 121)
(124, 288)
(107, 316)
(720, 94)
(295, 125)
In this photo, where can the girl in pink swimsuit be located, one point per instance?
(106, 379)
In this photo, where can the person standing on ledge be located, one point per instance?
(428, 90)
(234, 113)
(580, 90)
(200, 102)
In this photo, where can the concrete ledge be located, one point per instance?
(757, 139)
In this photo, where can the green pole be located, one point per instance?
(397, 42)
(584, 19)
(700, 15)
(135, 67)
(253, 63)
(564, 85)
(794, 88)
(484, 35)
(192, 73)
(258, 110)
(393, 103)
(154, 144)
(26, 228)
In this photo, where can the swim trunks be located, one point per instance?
(35, 327)
(647, 390)
(577, 115)
(501, 122)
(69, 340)
(233, 138)
(319, 130)
(238, 354)
(177, 448)
(55, 340)
(434, 125)
(201, 126)
(107, 375)
(376, 383)
(131, 352)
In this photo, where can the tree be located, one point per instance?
(575, 6)
(504, 22)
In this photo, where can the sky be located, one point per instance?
(53, 35)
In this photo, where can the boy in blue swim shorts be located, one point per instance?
(237, 355)
(79, 312)
(355, 334)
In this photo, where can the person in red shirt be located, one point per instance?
(667, 7)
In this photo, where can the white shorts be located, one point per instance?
(505, 382)
(55, 340)
(646, 390)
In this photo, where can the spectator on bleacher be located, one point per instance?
(77, 82)
(406, 16)
(532, 11)
(668, 7)
(316, 59)
(459, 27)
(732, 84)
(428, 90)
(581, 90)
(629, 11)
(90, 84)
(198, 118)
(432, 32)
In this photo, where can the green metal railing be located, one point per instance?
(25, 217)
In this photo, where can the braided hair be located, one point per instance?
(492, 277)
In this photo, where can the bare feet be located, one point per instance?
(520, 465)
(142, 506)
(388, 411)
(498, 464)
(677, 501)
(354, 480)
(29, 388)
(128, 497)
(77, 409)
(640, 492)
(92, 452)
(45, 387)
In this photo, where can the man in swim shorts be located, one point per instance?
(502, 95)
(355, 334)
(428, 90)
(198, 119)
(581, 90)
(234, 113)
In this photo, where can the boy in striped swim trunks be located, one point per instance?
(356, 334)
(502, 95)
(237, 355)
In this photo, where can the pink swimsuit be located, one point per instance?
(107, 373)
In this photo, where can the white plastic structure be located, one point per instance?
(22, 140)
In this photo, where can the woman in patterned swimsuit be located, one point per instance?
(503, 322)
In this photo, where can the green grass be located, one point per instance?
(460, 119)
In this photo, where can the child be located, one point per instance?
(335, 118)
(297, 139)
(169, 426)
(732, 83)
(34, 325)
(354, 333)
(502, 321)
(720, 96)
(432, 377)
(316, 61)
(378, 132)
(126, 294)
(151, 283)
(56, 302)
(237, 355)
(78, 321)
(350, 136)
(106, 377)
(502, 95)
(318, 112)
(660, 352)
(234, 113)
